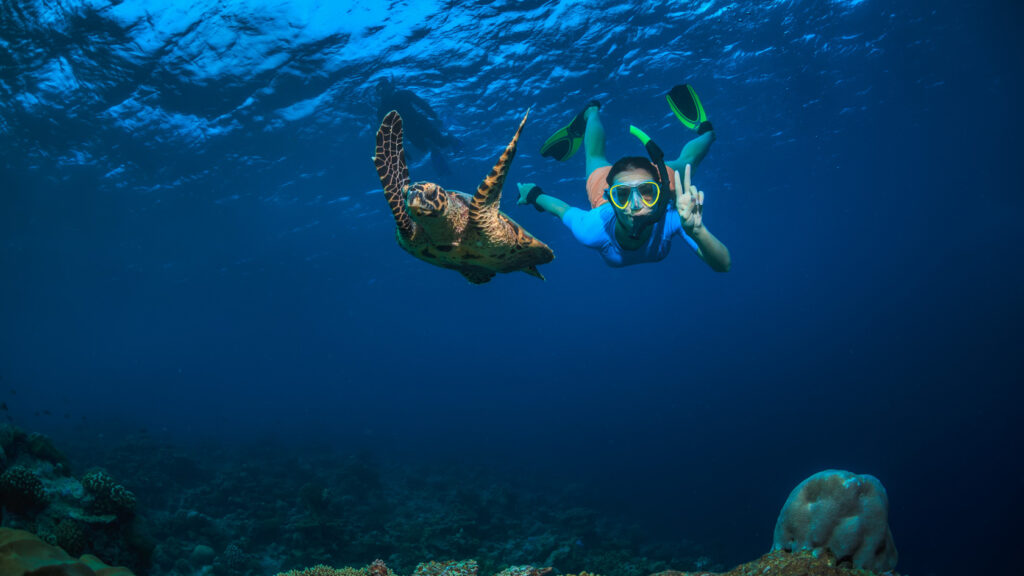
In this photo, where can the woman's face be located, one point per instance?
(632, 176)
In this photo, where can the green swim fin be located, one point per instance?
(566, 141)
(686, 106)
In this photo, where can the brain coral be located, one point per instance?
(841, 512)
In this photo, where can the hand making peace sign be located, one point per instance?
(689, 203)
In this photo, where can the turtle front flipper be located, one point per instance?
(483, 209)
(389, 158)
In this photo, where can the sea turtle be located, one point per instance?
(452, 229)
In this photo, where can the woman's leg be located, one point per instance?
(692, 154)
(593, 140)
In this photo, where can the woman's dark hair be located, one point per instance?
(631, 163)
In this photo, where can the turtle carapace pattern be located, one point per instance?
(451, 229)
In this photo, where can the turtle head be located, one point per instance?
(426, 200)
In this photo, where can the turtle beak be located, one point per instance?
(417, 207)
(421, 208)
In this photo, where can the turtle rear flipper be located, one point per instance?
(389, 159)
(477, 275)
(532, 271)
(483, 209)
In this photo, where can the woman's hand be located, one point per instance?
(689, 203)
(524, 191)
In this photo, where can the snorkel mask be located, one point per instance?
(654, 195)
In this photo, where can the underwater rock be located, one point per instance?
(8, 434)
(842, 513)
(201, 555)
(23, 554)
(41, 447)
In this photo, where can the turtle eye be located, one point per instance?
(434, 196)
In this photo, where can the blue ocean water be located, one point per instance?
(193, 241)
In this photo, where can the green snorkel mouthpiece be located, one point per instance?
(640, 134)
(655, 153)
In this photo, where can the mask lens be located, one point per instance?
(620, 194)
(649, 192)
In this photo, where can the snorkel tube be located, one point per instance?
(658, 159)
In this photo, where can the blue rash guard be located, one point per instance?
(596, 229)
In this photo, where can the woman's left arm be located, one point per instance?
(690, 204)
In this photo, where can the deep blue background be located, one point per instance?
(864, 180)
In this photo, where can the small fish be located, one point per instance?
(47, 413)
(3, 405)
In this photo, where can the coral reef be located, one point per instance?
(782, 563)
(525, 571)
(16, 444)
(834, 523)
(23, 554)
(94, 514)
(775, 563)
(42, 448)
(71, 536)
(446, 568)
(323, 570)
(233, 513)
(21, 490)
(274, 511)
(379, 568)
(108, 497)
(842, 513)
(8, 434)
